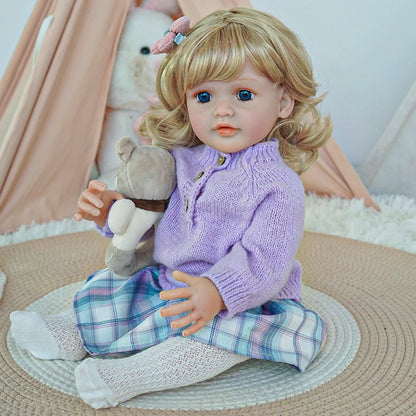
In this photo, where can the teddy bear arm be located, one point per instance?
(120, 215)
(139, 224)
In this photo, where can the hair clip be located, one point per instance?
(175, 35)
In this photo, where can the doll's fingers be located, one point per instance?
(195, 327)
(186, 320)
(180, 293)
(176, 309)
(97, 186)
(93, 199)
(78, 216)
(184, 277)
(87, 208)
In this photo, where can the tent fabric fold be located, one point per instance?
(52, 108)
(52, 105)
(333, 174)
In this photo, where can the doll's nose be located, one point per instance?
(223, 109)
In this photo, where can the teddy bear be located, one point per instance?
(146, 177)
(133, 84)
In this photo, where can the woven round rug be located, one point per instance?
(261, 381)
(367, 290)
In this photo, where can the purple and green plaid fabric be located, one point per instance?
(117, 316)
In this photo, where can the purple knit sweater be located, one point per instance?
(236, 219)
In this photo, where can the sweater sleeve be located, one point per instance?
(258, 266)
(104, 231)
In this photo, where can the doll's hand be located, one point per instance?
(202, 300)
(95, 202)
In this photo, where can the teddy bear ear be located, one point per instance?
(124, 148)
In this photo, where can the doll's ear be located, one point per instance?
(287, 102)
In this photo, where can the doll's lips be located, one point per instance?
(225, 130)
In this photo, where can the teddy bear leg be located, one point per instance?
(144, 254)
(121, 262)
(128, 262)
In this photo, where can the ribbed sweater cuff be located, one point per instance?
(104, 231)
(235, 296)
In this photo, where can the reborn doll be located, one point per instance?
(239, 115)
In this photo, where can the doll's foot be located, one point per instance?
(177, 362)
(47, 337)
(91, 385)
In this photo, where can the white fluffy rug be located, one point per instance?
(394, 225)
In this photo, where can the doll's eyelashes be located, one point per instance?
(145, 50)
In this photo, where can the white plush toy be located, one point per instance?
(170, 7)
(132, 86)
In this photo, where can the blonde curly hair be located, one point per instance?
(217, 48)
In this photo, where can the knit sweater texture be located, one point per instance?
(236, 219)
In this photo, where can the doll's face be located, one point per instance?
(233, 115)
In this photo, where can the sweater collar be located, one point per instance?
(264, 151)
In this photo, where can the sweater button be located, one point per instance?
(221, 160)
(200, 175)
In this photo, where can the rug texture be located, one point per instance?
(375, 285)
(252, 383)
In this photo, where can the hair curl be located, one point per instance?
(217, 48)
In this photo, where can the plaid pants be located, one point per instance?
(116, 316)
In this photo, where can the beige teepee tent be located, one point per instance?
(52, 104)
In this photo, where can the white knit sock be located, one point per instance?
(47, 337)
(176, 362)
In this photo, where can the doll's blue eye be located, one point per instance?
(145, 50)
(203, 97)
(245, 95)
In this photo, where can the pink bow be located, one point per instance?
(175, 35)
